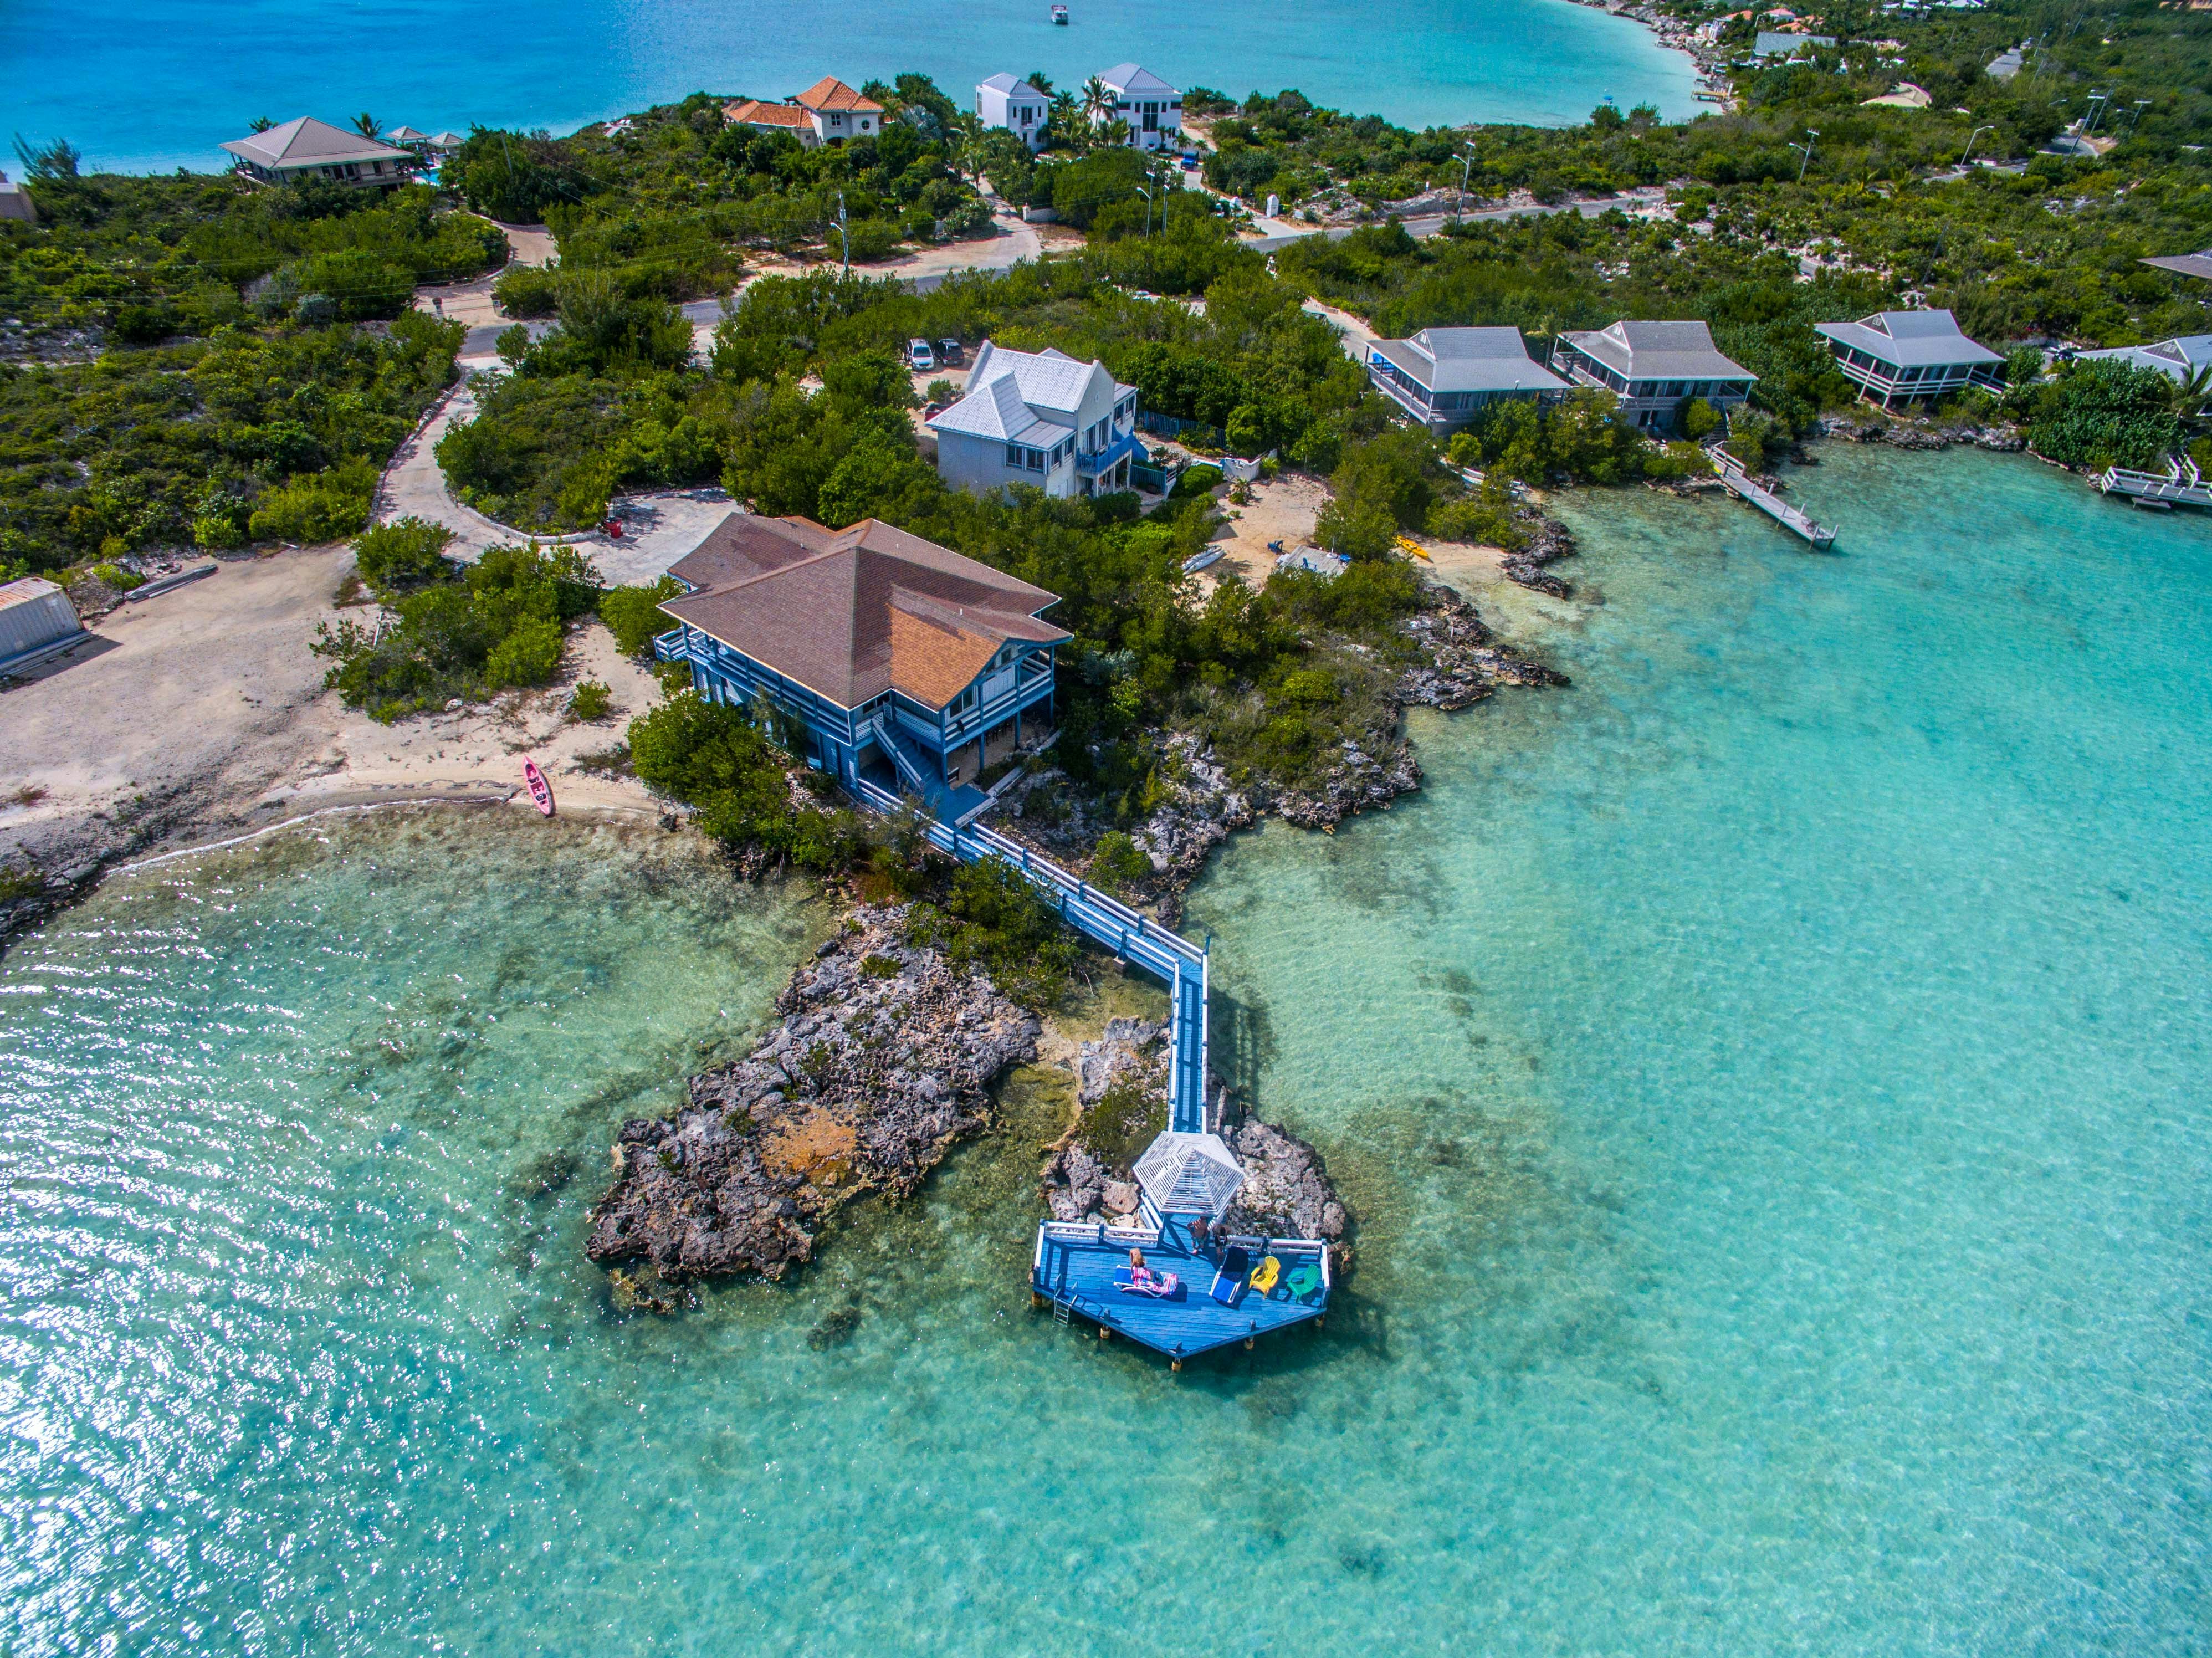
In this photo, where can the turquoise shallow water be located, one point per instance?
(152, 84)
(1769, 1071)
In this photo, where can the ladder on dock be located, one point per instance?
(1740, 485)
(1132, 938)
(2180, 484)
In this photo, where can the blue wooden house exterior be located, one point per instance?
(895, 661)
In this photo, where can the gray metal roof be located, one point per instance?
(1910, 339)
(309, 142)
(1181, 1173)
(2177, 358)
(1022, 397)
(1773, 43)
(2186, 264)
(1470, 360)
(1127, 78)
(1006, 84)
(1660, 350)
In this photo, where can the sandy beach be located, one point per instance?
(200, 714)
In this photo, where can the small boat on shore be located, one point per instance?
(541, 792)
(1060, 16)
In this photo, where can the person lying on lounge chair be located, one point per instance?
(1142, 1280)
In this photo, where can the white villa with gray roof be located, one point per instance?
(1445, 377)
(1910, 354)
(1041, 418)
(1655, 368)
(1152, 108)
(1015, 106)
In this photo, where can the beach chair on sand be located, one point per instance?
(1157, 1286)
(1229, 1281)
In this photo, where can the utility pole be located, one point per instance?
(1466, 163)
(2099, 101)
(844, 236)
(1807, 148)
(2136, 115)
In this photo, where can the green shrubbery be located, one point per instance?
(311, 506)
(2105, 413)
(716, 759)
(496, 624)
(395, 557)
(634, 617)
(993, 919)
(253, 434)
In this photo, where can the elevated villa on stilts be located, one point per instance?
(904, 668)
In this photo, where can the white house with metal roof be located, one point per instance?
(2178, 359)
(1655, 368)
(1910, 354)
(308, 149)
(1152, 108)
(1444, 377)
(1041, 418)
(1016, 105)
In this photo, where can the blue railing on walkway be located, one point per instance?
(1130, 936)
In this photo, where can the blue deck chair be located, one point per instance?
(1229, 1281)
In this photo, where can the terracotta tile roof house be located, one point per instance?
(902, 660)
(827, 113)
(308, 149)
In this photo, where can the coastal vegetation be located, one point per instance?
(448, 631)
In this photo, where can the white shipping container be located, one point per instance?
(33, 613)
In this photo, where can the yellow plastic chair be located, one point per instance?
(1265, 1275)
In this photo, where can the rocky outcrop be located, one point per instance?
(2001, 436)
(876, 1067)
(1548, 542)
(1089, 1175)
(1462, 662)
(1286, 1191)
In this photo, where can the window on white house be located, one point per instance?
(1013, 454)
(1037, 460)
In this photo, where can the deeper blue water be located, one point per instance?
(1769, 1073)
(146, 85)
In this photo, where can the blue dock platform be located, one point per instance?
(1079, 1269)
(1082, 1268)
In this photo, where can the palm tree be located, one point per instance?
(1097, 100)
(1066, 119)
(1040, 80)
(366, 125)
(262, 123)
(2191, 396)
(965, 132)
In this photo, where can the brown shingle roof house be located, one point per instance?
(898, 655)
(850, 614)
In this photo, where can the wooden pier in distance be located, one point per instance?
(2179, 485)
(1740, 485)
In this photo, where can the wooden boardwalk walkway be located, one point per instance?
(1744, 487)
(1132, 937)
(2179, 485)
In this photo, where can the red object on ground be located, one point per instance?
(614, 529)
(541, 792)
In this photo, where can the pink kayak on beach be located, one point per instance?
(541, 792)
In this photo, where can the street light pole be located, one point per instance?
(844, 236)
(1459, 208)
(1970, 137)
(1147, 195)
(1807, 148)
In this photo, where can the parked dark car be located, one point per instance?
(948, 354)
